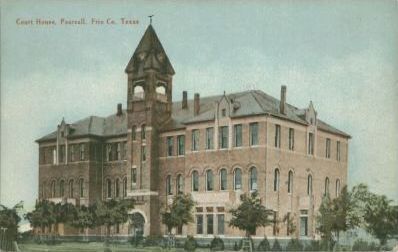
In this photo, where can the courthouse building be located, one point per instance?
(215, 148)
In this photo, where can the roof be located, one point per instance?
(250, 103)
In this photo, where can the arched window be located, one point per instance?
(337, 187)
(253, 179)
(53, 189)
(117, 188)
(223, 179)
(125, 187)
(134, 133)
(161, 90)
(180, 184)
(62, 188)
(276, 180)
(209, 180)
(71, 194)
(81, 187)
(139, 92)
(327, 186)
(238, 179)
(108, 188)
(143, 133)
(290, 182)
(195, 181)
(309, 185)
(168, 185)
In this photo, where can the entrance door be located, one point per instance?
(137, 224)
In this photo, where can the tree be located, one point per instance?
(43, 215)
(84, 218)
(179, 213)
(250, 214)
(9, 220)
(326, 219)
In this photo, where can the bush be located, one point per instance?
(294, 245)
(217, 244)
(264, 245)
(276, 246)
(361, 245)
(190, 244)
(313, 246)
(152, 241)
(236, 247)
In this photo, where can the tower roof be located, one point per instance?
(149, 54)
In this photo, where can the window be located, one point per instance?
(117, 188)
(81, 188)
(309, 185)
(61, 188)
(291, 139)
(209, 180)
(169, 146)
(327, 186)
(253, 130)
(133, 176)
(53, 189)
(109, 188)
(223, 137)
(310, 144)
(238, 135)
(275, 222)
(288, 220)
(181, 145)
(195, 140)
(71, 188)
(143, 153)
(337, 187)
(139, 92)
(276, 180)
(118, 151)
(221, 223)
(338, 156)
(327, 148)
(61, 155)
(290, 182)
(303, 225)
(125, 187)
(199, 224)
(72, 152)
(277, 136)
(109, 152)
(134, 133)
(54, 155)
(253, 179)
(209, 138)
(168, 185)
(223, 112)
(238, 179)
(195, 181)
(143, 133)
(124, 150)
(180, 184)
(82, 152)
(223, 179)
(210, 223)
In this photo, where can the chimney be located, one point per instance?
(119, 109)
(196, 105)
(282, 108)
(184, 99)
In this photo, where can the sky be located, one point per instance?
(341, 55)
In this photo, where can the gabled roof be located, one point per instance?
(248, 103)
(149, 54)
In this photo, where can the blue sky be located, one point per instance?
(342, 55)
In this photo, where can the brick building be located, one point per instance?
(214, 148)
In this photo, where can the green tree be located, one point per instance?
(179, 213)
(9, 220)
(326, 219)
(250, 214)
(43, 215)
(84, 218)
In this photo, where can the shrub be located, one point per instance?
(276, 246)
(190, 244)
(151, 241)
(294, 245)
(236, 247)
(361, 245)
(264, 245)
(313, 246)
(217, 244)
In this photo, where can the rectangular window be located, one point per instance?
(82, 151)
(109, 152)
(275, 224)
(291, 139)
(143, 153)
(54, 155)
(124, 150)
(253, 130)
(338, 155)
(169, 146)
(304, 226)
(210, 223)
(277, 136)
(133, 176)
(195, 140)
(310, 144)
(220, 222)
(327, 148)
(223, 137)
(199, 224)
(62, 153)
(238, 135)
(209, 138)
(72, 153)
(181, 145)
(118, 151)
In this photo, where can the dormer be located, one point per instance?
(311, 114)
(223, 108)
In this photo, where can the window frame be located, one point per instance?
(223, 182)
(277, 143)
(291, 139)
(209, 180)
(195, 139)
(210, 138)
(195, 181)
(223, 137)
(253, 178)
(236, 179)
(169, 144)
(276, 180)
(253, 134)
(181, 145)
